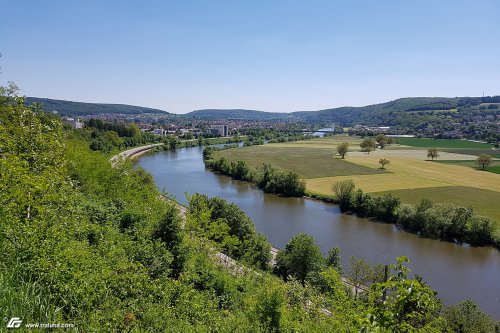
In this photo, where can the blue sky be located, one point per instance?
(267, 55)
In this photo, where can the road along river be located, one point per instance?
(457, 272)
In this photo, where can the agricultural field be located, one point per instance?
(494, 167)
(306, 161)
(442, 143)
(409, 175)
(495, 153)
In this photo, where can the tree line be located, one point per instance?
(436, 220)
(267, 177)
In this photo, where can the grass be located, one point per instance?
(479, 199)
(495, 153)
(494, 167)
(442, 143)
(409, 173)
(306, 162)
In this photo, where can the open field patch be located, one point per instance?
(495, 153)
(418, 154)
(409, 173)
(327, 142)
(442, 143)
(479, 199)
(494, 167)
(306, 162)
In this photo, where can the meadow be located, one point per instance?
(305, 161)
(494, 167)
(409, 175)
(442, 143)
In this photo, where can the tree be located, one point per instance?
(383, 162)
(467, 318)
(381, 140)
(359, 274)
(334, 259)
(484, 160)
(343, 148)
(367, 145)
(343, 191)
(432, 153)
(301, 257)
(401, 304)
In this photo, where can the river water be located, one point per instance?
(456, 272)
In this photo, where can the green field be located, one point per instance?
(483, 201)
(494, 167)
(495, 153)
(442, 143)
(305, 161)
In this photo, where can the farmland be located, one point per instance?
(442, 143)
(494, 167)
(307, 162)
(409, 175)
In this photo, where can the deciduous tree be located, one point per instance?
(432, 153)
(343, 148)
(484, 160)
(383, 162)
(343, 191)
(301, 257)
(367, 145)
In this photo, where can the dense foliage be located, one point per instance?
(108, 136)
(269, 178)
(227, 225)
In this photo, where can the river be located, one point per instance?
(457, 272)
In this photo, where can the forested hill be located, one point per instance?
(69, 108)
(235, 114)
(383, 113)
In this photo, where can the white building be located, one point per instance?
(75, 123)
(222, 130)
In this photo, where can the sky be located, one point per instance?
(277, 56)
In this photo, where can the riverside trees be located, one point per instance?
(301, 257)
(268, 177)
(439, 220)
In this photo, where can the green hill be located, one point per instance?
(69, 108)
(235, 114)
(387, 113)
